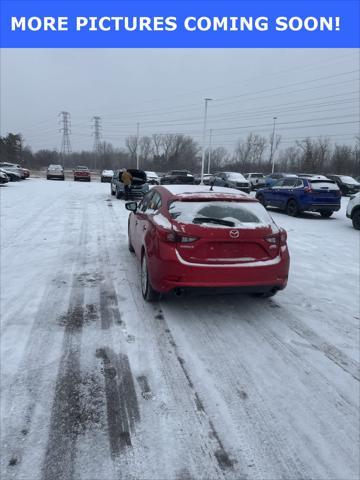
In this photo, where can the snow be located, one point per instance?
(248, 215)
(161, 220)
(195, 189)
(96, 383)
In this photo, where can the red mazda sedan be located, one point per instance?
(191, 236)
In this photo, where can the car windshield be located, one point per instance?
(236, 177)
(220, 213)
(151, 174)
(349, 180)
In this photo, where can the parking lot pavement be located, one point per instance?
(97, 384)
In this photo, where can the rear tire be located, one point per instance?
(119, 195)
(268, 294)
(326, 213)
(355, 217)
(261, 200)
(148, 293)
(292, 208)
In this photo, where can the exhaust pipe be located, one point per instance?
(179, 292)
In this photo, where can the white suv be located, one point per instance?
(256, 180)
(353, 210)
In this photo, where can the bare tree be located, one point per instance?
(249, 153)
(131, 143)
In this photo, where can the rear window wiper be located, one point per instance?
(217, 221)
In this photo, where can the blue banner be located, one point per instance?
(180, 24)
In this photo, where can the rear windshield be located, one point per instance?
(55, 167)
(256, 175)
(82, 168)
(229, 214)
(349, 180)
(324, 185)
(179, 172)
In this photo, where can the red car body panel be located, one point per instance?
(82, 173)
(214, 259)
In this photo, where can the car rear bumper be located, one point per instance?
(317, 207)
(53, 175)
(169, 274)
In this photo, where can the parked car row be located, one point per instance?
(12, 172)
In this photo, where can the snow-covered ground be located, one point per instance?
(97, 384)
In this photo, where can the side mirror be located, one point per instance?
(132, 206)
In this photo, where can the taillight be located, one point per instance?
(277, 239)
(283, 237)
(308, 190)
(173, 237)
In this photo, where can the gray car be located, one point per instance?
(55, 172)
(231, 180)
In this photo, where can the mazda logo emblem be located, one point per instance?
(234, 233)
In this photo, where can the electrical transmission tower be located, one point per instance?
(97, 133)
(65, 129)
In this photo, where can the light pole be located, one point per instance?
(203, 141)
(137, 145)
(272, 147)
(209, 155)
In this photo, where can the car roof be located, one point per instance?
(203, 191)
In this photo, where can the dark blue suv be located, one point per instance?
(296, 195)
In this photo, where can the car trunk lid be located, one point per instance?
(224, 232)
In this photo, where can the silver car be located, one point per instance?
(55, 172)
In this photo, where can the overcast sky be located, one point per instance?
(311, 92)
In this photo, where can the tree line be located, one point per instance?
(174, 151)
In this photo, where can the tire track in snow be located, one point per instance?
(65, 420)
(259, 419)
(122, 406)
(333, 353)
(176, 376)
(25, 391)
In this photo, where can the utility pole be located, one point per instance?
(272, 147)
(137, 145)
(66, 130)
(203, 141)
(97, 137)
(209, 154)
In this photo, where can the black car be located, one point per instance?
(348, 185)
(231, 180)
(138, 187)
(177, 177)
